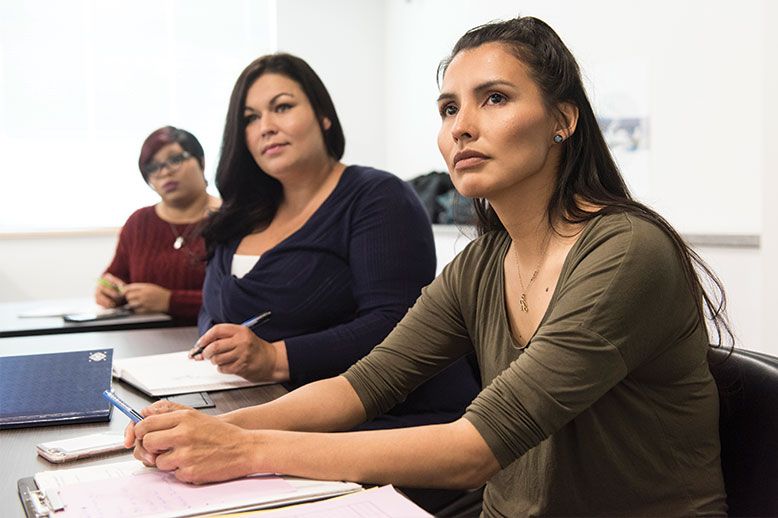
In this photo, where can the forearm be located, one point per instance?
(322, 406)
(451, 456)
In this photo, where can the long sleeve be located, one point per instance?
(430, 336)
(120, 265)
(185, 303)
(391, 256)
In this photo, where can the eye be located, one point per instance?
(151, 168)
(176, 159)
(283, 107)
(496, 98)
(248, 118)
(447, 110)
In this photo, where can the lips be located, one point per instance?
(169, 186)
(273, 149)
(468, 158)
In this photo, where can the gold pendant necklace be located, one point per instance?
(523, 299)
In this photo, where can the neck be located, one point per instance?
(300, 190)
(193, 210)
(523, 212)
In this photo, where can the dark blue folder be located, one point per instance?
(58, 388)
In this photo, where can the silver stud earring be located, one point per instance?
(558, 138)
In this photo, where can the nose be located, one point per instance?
(268, 127)
(164, 170)
(464, 127)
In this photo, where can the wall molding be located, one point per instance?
(696, 240)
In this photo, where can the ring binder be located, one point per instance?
(35, 502)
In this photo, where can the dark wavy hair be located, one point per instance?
(586, 168)
(250, 197)
(165, 136)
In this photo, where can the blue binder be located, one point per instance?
(52, 389)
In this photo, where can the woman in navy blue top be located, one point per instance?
(337, 253)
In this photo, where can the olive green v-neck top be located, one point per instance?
(610, 409)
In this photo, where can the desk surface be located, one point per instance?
(17, 446)
(11, 324)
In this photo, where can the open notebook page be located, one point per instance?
(175, 373)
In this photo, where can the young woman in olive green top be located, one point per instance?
(583, 308)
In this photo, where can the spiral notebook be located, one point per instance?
(54, 388)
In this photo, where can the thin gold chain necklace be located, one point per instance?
(523, 300)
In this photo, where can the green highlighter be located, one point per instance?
(108, 284)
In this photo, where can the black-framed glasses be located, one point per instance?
(153, 169)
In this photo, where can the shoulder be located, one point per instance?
(631, 241)
(367, 188)
(142, 217)
(630, 230)
(369, 179)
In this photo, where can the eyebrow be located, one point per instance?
(272, 100)
(487, 85)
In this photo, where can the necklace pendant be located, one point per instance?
(178, 243)
(523, 303)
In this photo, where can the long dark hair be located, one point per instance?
(250, 197)
(586, 168)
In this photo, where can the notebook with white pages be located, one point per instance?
(131, 489)
(175, 373)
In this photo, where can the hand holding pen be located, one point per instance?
(125, 408)
(235, 349)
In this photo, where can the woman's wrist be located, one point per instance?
(167, 300)
(281, 364)
(254, 452)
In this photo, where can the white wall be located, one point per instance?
(344, 40)
(768, 302)
(53, 267)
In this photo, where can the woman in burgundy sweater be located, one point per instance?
(158, 266)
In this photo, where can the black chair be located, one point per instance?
(748, 393)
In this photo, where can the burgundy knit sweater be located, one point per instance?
(145, 253)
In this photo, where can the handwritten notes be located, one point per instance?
(158, 493)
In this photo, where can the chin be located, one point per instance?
(471, 187)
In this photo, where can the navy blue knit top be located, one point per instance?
(338, 285)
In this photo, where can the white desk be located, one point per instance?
(11, 324)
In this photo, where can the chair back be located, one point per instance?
(748, 425)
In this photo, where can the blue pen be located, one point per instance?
(254, 321)
(121, 405)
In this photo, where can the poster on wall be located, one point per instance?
(619, 94)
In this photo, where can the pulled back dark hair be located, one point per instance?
(587, 170)
(250, 197)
